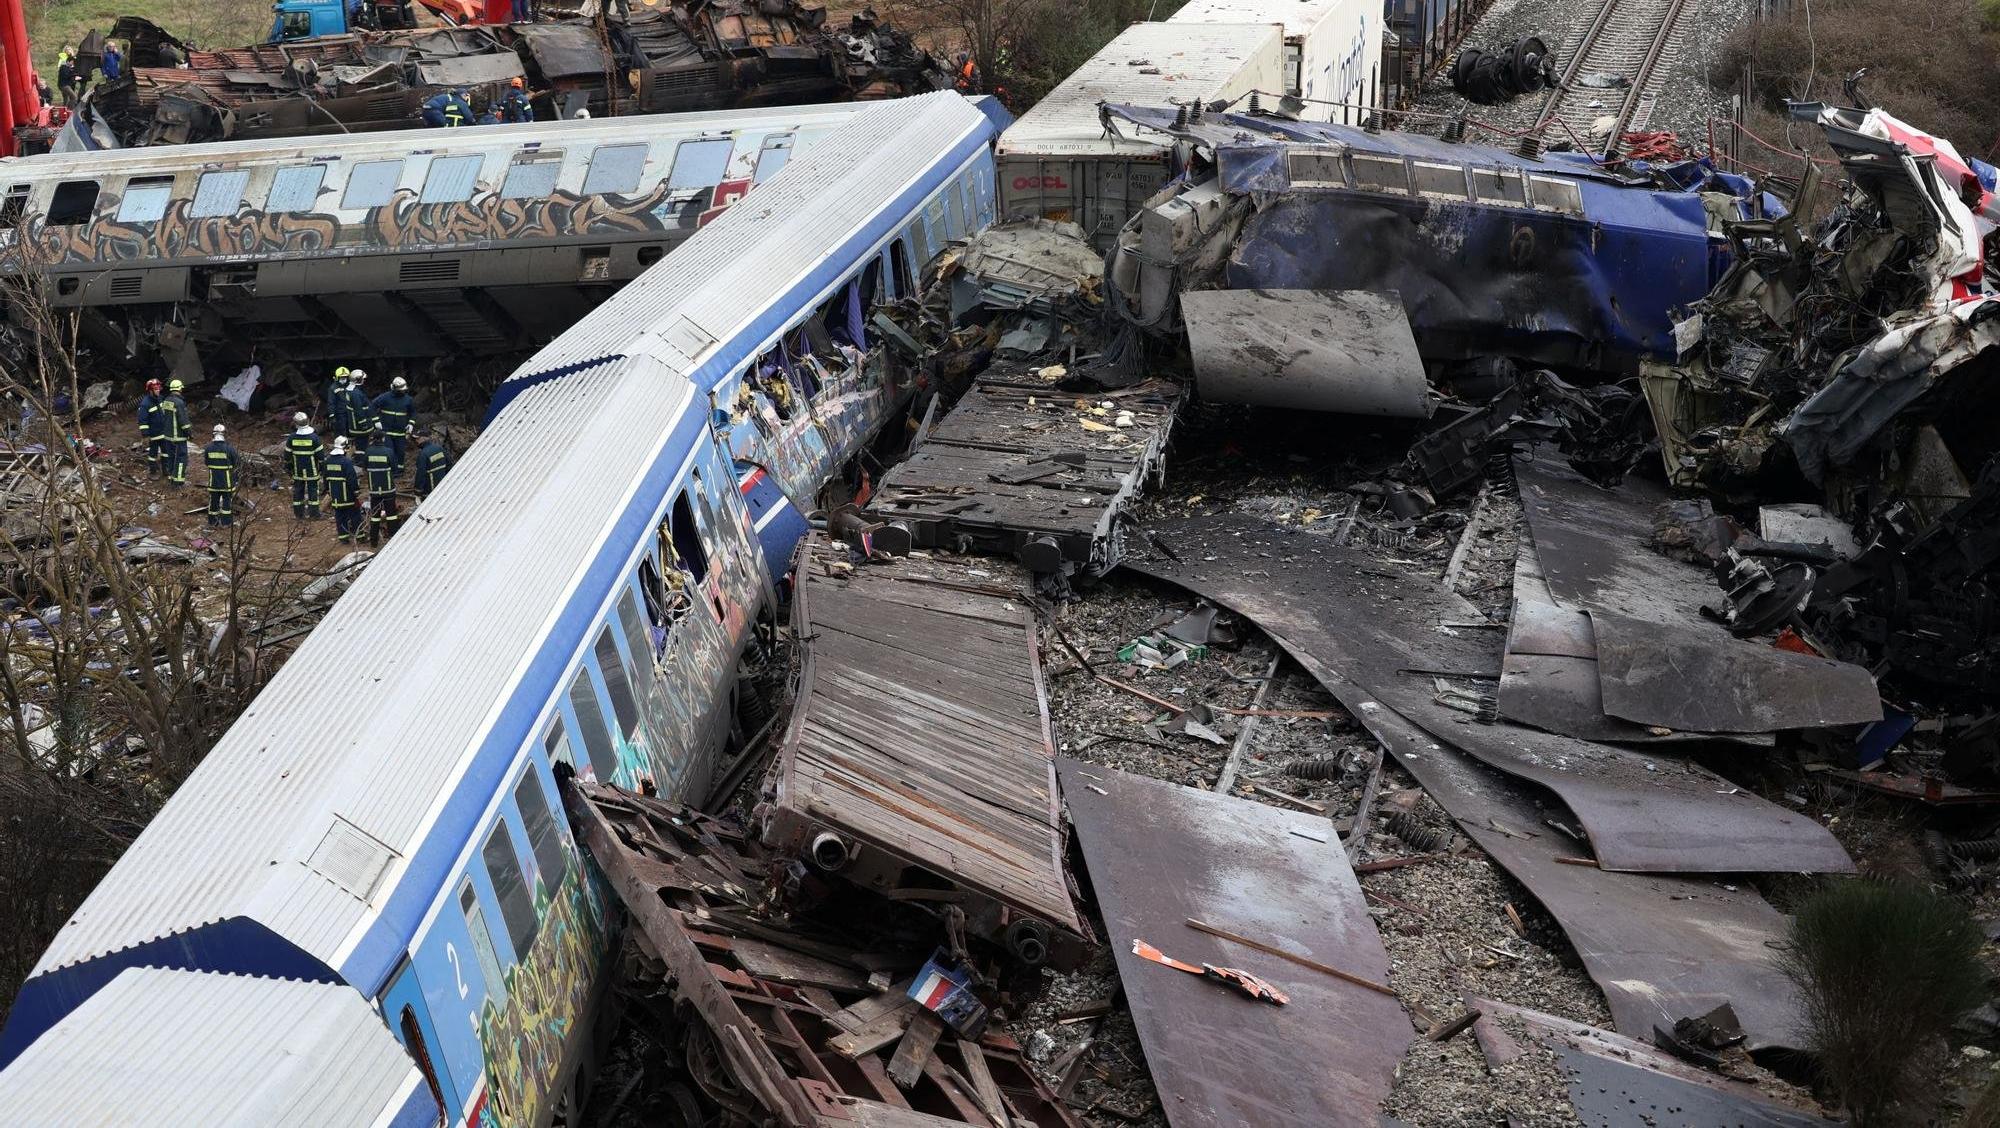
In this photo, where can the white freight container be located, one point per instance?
(1333, 48)
(1058, 161)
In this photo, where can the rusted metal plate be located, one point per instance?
(1160, 854)
(1615, 1080)
(1643, 811)
(1347, 351)
(920, 739)
(1022, 469)
(1701, 679)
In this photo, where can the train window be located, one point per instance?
(615, 683)
(530, 180)
(899, 260)
(1562, 195)
(13, 206)
(939, 232)
(219, 193)
(637, 642)
(590, 727)
(1439, 179)
(482, 941)
(556, 743)
(871, 282)
(450, 180)
(145, 199)
(551, 860)
(517, 904)
(371, 184)
(615, 168)
(772, 157)
(1383, 174)
(958, 209)
(1500, 186)
(700, 164)
(687, 539)
(295, 189)
(73, 202)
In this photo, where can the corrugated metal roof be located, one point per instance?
(1188, 61)
(1299, 17)
(806, 212)
(380, 712)
(163, 1047)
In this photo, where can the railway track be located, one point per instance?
(1633, 39)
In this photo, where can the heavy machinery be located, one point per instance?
(304, 19)
(23, 118)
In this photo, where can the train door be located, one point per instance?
(409, 1020)
(699, 659)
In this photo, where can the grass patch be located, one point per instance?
(55, 24)
(1883, 970)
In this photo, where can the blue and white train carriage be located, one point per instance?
(380, 831)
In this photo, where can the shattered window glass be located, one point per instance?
(145, 199)
(615, 168)
(700, 164)
(219, 193)
(371, 184)
(1317, 168)
(295, 189)
(1439, 179)
(1382, 174)
(1562, 195)
(1499, 186)
(530, 180)
(450, 180)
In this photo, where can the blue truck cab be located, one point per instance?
(304, 19)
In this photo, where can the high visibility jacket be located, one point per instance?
(149, 416)
(433, 109)
(303, 452)
(456, 111)
(174, 419)
(343, 485)
(360, 413)
(432, 463)
(381, 469)
(515, 107)
(221, 461)
(392, 411)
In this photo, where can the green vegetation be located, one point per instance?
(1883, 970)
(55, 24)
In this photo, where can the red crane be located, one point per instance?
(20, 104)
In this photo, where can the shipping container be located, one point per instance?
(1059, 161)
(1333, 49)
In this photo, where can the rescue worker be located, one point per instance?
(514, 105)
(149, 427)
(66, 78)
(492, 115)
(339, 416)
(174, 425)
(303, 456)
(113, 64)
(433, 110)
(392, 413)
(360, 412)
(382, 515)
(222, 462)
(343, 490)
(432, 463)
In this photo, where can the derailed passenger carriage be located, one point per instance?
(382, 826)
(420, 243)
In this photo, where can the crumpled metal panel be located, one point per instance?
(1160, 854)
(1643, 812)
(1705, 681)
(1347, 352)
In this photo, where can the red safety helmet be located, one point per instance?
(152, 385)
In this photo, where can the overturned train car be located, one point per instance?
(412, 244)
(1557, 260)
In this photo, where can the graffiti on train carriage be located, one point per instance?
(523, 1035)
(403, 222)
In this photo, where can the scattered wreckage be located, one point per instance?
(1582, 731)
(670, 58)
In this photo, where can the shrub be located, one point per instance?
(1883, 970)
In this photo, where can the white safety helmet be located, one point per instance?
(357, 376)
(399, 384)
(340, 444)
(219, 429)
(298, 418)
